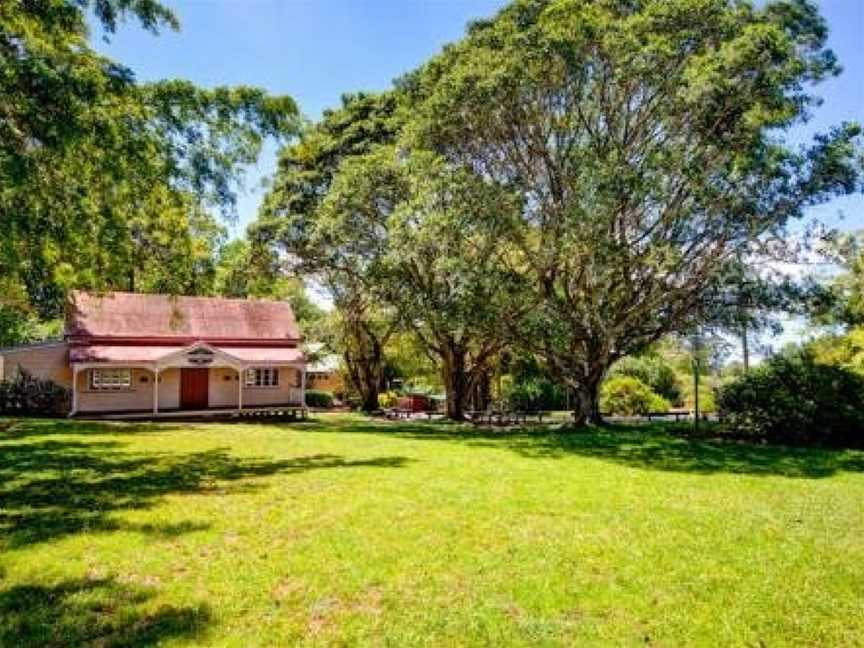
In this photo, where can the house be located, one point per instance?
(161, 354)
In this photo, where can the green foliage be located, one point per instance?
(288, 223)
(845, 351)
(318, 398)
(407, 361)
(427, 238)
(645, 145)
(629, 396)
(535, 394)
(654, 372)
(105, 182)
(791, 398)
(845, 304)
(388, 399)
(25, 395)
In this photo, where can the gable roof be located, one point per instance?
(135, 315)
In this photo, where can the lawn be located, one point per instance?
(346, 531)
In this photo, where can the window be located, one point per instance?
(262, 377)
(110, 379)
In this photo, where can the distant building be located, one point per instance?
(324, 374)
(203, 353)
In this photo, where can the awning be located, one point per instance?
(121, 354)
(153, 354)
(265, 355)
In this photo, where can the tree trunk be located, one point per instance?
(369, 401)
(587, 403)
(456, 383)
(365, 371)
(482, 392)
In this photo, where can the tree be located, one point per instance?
(844, 303)
(289, 216)
(425, 239)
(100, 174)
(646, 143)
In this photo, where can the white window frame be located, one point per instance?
(262, 378)
(110, 379)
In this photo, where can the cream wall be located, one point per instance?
(223, 387)
(286, 392)
(169, 389)
(138, 397)
(48, 362)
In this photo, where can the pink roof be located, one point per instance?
(133, 315)
(148, 354)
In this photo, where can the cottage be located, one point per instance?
(160, 354)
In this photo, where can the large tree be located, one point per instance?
(289, 216)
(425, 239)
(106, 182)
(646, 140)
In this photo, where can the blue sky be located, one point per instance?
(314, 50)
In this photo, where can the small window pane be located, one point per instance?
(262, 377)
(107, 379)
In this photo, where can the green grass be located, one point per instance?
(344, 531)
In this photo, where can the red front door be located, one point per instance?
(193, 388)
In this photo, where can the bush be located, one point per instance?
(28, 396)
(793, 399)
(388, 400)
(535, 394)
(316, 398)
(629, 396)
(655, 373)
(707, 398)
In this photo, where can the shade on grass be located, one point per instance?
(342, 530)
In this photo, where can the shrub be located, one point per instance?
(793, 399)
(534, 394)
(707, 398)
(655, 373)
(629, 396)
(26, 395)
(387, 399)
(316, 398)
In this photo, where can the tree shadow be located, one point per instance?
(22, 428)
(656, 446)
(53, 488)
(101, 612)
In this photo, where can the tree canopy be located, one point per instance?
(576, 179)
(106, 182)
(288, 223)
(645, 140)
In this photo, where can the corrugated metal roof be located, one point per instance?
(133, 315)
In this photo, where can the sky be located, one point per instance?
(316, 50)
